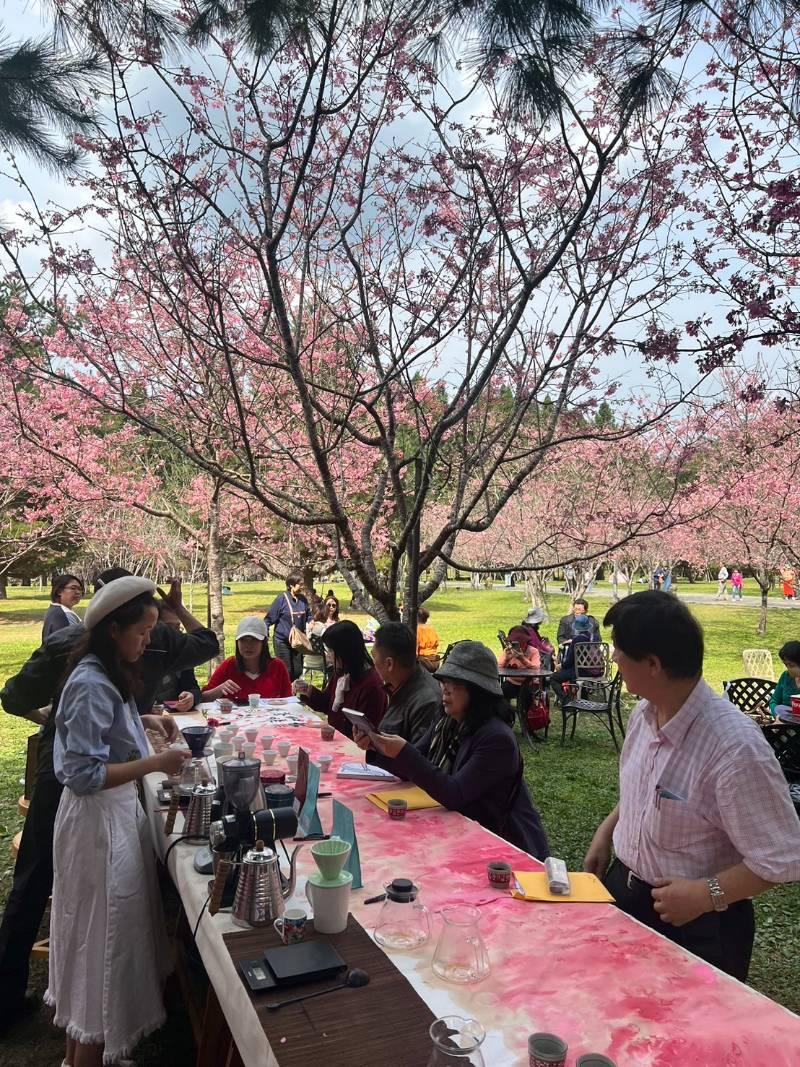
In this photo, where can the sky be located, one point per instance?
(27, 18)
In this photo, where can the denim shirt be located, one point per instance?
(94, 726)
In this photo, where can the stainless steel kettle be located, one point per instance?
(198, 815)
(262, 889)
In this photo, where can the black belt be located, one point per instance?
(632, 880)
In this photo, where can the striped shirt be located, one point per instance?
(702, 794)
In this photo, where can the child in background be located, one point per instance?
(787, 686)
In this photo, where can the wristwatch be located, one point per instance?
(717, 894)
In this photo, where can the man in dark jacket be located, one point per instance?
(579, 607)
(415, 697)
(39, 683)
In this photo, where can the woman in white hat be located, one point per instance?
(251, 670)
(107, 951)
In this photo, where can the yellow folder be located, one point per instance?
(585, 888)
(416, 798)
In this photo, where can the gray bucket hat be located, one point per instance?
(470, 661)
(534, 616)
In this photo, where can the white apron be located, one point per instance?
(108, 947)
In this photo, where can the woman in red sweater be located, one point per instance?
(251, 670)
(354, 683)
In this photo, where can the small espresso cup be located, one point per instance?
(283, 748)
(546, 1050)
(266, 741)
(291, 926)
(327, 733)
(251, 733)
(291, 763)
(397, 809)
(499, 874)
(268, 756)
(225, 705)
(594, 1059)
(324, 763)
(254, 700)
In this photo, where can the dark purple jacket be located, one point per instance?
(485, 785)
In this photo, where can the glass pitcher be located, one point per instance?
(403, 923)
(456, 1042)
(460, 954)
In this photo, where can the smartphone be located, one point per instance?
(359, 719)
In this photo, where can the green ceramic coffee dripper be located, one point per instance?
(330, 856)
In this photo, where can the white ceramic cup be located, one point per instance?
(324, 763)
(249, 749)
(254, 701)
(331, 904)
(237, 742)
(291, 763)
(283, 748)
(225, 735)
(268, 756)
(251, 733)
(266, 741)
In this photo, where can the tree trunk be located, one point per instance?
(3, 587)
(25, 583)
(216, 613)
(764, 584)
(308, 578)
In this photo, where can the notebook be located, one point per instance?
(416, 798)
(367, 771)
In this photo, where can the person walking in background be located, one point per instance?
(787, 686)
(66, 593)
(787, 584)
(704, 821)
(722, 579)
(289, 611)
(427, 642)
(737, 581)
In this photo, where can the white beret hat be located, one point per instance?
(113, 595)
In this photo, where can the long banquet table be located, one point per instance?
(587, 972)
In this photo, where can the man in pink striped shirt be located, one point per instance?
(704, 821)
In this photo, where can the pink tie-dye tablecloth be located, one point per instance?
(586, 972)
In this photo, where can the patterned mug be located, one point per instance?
(291, 926)
(499, 874)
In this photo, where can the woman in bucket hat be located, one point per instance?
(469, 760)
(107, 937)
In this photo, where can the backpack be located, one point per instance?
(537, 712)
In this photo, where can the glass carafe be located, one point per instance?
(460, 954)
(403, 922)
(456, 1042)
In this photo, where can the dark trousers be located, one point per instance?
(292, 658)
(724, 938)
(32, 885)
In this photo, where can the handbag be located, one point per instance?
(297, 639)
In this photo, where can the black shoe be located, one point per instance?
(10, 1017)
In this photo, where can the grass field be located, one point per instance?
(574, 787)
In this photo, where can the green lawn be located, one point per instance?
(574, 787)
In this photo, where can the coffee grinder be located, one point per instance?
(236, 828)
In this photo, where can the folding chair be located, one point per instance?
(752, 696)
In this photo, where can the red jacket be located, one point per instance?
(274, 682)
(367, 695)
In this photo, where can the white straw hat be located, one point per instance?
(113, 595)
(251, 626)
